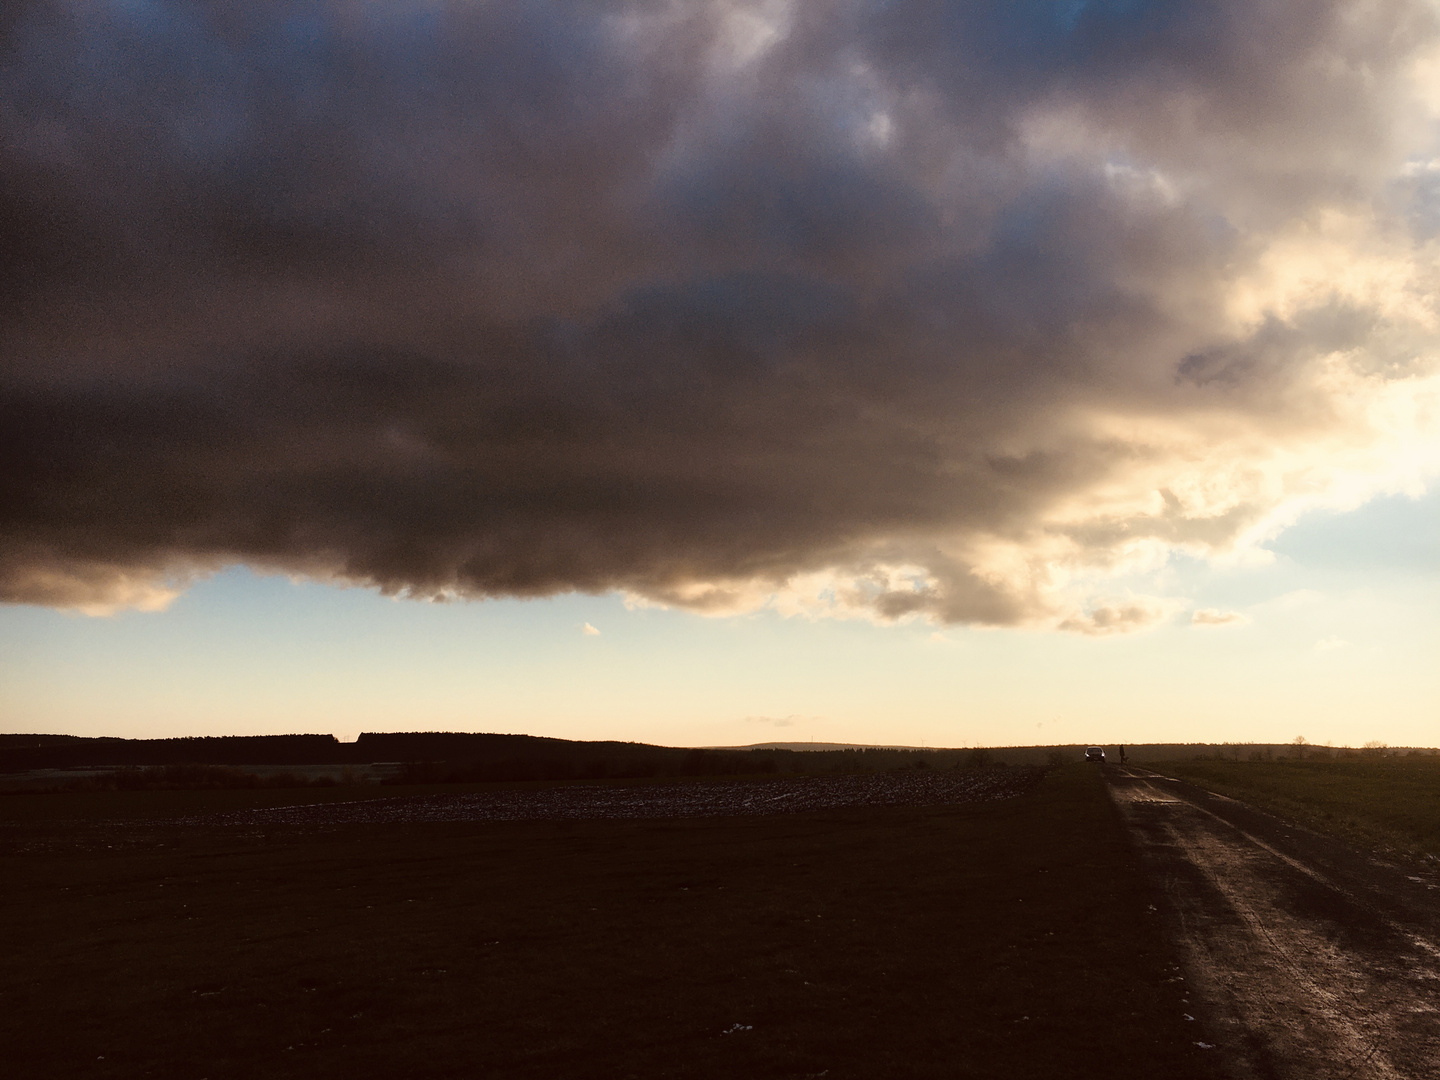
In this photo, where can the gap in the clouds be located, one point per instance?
(1381, 544)
(1392, 534)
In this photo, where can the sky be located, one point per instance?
(894, 371)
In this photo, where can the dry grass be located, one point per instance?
(1390, 801)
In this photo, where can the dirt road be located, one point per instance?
(1305, 958)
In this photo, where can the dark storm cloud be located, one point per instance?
(909, 307)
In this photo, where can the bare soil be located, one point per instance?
(1305, 957)
(738, 798)
(998, 938)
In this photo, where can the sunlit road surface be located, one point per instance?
(1305, 958)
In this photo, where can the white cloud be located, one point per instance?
(589, 631)
(1119, 617)
(1216, 617)
(793, 720)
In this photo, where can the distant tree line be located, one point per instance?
(461, 757)
(21, 753)
(1301, 749)
(451, 757)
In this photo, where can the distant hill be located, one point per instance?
(487, 756)
(425, 757)
(814, 746)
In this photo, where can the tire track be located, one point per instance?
(1302, 972)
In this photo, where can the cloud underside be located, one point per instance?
(966, 312)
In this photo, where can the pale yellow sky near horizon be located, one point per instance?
(1337, 643)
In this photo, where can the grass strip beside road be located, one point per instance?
(1389, 802)
(1009, 939)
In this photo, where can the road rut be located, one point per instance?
(1305, 958)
